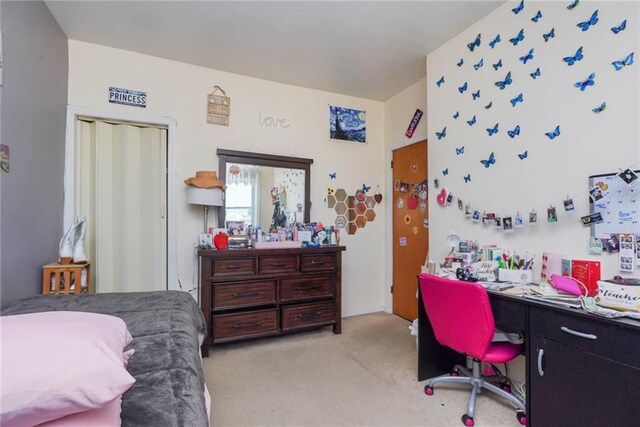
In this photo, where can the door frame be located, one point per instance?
(388, 298)
(75, 112)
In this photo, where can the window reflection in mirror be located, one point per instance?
(264, 196)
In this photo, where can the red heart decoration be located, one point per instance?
(442, 198)
(221, 240)
(377, 197)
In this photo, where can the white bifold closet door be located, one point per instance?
(121, 187)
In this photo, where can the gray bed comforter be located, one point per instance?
(166, 327)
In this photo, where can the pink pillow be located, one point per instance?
(108, 415)
(59, 363)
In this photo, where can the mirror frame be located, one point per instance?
(260, 159)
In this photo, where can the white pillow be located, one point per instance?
(59, 363)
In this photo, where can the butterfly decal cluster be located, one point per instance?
(582, 22)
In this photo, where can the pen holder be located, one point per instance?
(515, 276)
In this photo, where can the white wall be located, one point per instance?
(179, 91)
(589, 143)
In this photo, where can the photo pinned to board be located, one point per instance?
(468, 210)
(498, 222)
(595, 246)
(629, 177)
(590, 219)
(627, 252)
(402, 241)
(436, 183)
(400, 203)
(475, 216)
(552, 215)
(460, 205)
(533, 217)
(610, 243)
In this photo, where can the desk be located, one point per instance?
(571, 380)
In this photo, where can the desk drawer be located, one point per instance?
(278, 264)
(509, 314)
(233, 266)
(302, 288)
(300, 316)
(599, 337)
(321, 262)
(244, 294)
(229, 326)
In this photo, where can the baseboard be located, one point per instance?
(364, 310)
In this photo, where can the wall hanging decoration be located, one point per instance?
(415, 120)
(133, 98)
(352, 212)
(4, 158)
(218, 107)
(347, 124)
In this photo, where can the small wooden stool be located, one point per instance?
(65, 276)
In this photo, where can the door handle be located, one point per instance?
(578, 334)
(540, 356)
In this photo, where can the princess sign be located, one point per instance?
(134, 98)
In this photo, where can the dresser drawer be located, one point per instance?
(321, 262)
(233, 266)
(596, 336)
(229, 326)
(300, 316)
(302, 288)
(243, 294)
(278, 264)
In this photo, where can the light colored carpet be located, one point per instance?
(364, 377)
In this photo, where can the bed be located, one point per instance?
(167, 329)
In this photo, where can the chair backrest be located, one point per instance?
(460, 314)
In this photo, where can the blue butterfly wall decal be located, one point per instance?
(456, 115)
(535, 74)
(440, 81)
(589, 81)
(519, 8)
(489, 105)
(497, 65)
(459, 64)
(478, 65)
(462, 88)
(460, 150)
(492, 131)
(472, 121)
(620, 27)
(584, 26)
(600, 108)
(553, 134)
(551, 34)
(619, 65)
(517, 99)
(476, 95)
(527, 57)
(475, 43)
(573, 5)
(523, 155)
(507, 81)
(515, 132)
(442, 134)
(490, 161)
(467, 178)
(537, 17)
(517, 39)
(570, 60)
(333, 175)
(496, 40)
(445, 172)
(366, 188)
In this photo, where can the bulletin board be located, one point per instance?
(620, 206)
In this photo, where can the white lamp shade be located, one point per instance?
(204, 196)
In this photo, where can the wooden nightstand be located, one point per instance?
(64, 276)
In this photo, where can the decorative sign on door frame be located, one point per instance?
(134, 98)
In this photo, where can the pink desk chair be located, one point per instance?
(461, 317)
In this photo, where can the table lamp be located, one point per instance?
(205, 197)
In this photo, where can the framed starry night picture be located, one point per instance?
(346, 124)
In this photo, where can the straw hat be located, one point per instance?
(205, 179)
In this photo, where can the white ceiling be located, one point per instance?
(368, 49)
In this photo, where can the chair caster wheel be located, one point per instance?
(428, 390)
(455, 373)
(522, 418)
(505, 386)
(467, 420)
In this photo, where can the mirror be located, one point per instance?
(264, 190)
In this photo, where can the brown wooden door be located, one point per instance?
(410, 236)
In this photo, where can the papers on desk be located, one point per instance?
(494, 286)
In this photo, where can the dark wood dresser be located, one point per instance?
(251, 293)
